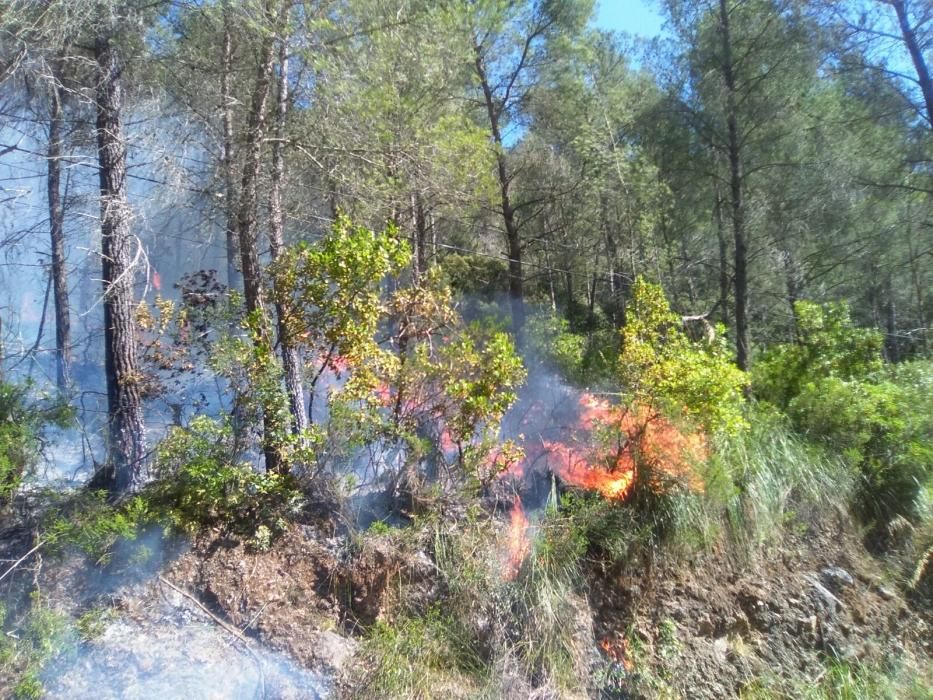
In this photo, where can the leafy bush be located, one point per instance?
(881, 428)
(662, 368)
(39, 636)
(21, 424)
(828, 345)
(835, 388)
(198, 483)
(581, 357)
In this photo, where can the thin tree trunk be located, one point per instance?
(791, 281)
(248, 225)
(420, 258)
(916, 55)
(57, 233)
(513, 238)
(291, 357)
(735, 186)
(234, 278)
(124, 403)
(724, 282)
(891, 345)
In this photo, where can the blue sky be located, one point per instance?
(640, 17)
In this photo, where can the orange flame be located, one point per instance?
(617, 650)
(574, 468)
(518, 542)
(644, 437)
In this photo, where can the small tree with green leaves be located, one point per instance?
(663, 369)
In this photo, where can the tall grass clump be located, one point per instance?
(772, 476)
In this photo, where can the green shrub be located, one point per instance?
(882, 429)
(21, 422)
(664, 369)
(89, 521)
(769, 477)
(198, 483)
(38, 636)
(836, 390)
(583, 357)
(828, 345)
(417, 656)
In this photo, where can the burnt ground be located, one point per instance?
(705, 628)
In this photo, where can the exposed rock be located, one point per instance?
(836, 578)
(332, 651)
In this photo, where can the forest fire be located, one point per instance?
(600, 450)
(575, 469)
(519, 543)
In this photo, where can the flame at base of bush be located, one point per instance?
(603, 452)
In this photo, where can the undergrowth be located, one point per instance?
(841, 680)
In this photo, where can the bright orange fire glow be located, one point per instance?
(518, 543)
(576, 469)
(617, 650)
(644, 437)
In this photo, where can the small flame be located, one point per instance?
(518, 541)
(616, 648)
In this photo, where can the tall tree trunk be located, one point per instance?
(420, 258)
(916, 55)
(248, 225)
(792, 284)
(291, 357)
(891, 345)
(735, 186)
(724, 281)
(234, 278)
(124, 404)
(57, 232)
(512, 235)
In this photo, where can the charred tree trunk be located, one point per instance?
(734, 148)
(234, 278)
(512, 235)
(124, 404)
(291, 357)
(57, 233)
(916, 55)
(248, 225)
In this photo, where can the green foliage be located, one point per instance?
(38, 636)
(581, 357)
(198, 484)
(663, 369)
(764, 479)
(330, 290)
(828, 345)
(883, 428)
(836, 390)
(417, 655)
(89, 521)
(843, 680)
(22, 420)
(476, 275)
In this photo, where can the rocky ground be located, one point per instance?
(216, 619)
(715, 626)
